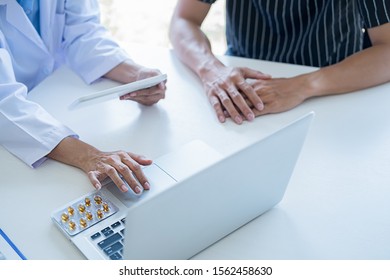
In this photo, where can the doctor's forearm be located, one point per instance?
(125, 72)
(72, 151)
(98, 165)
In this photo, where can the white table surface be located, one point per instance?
(337, 205)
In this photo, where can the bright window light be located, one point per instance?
(147, 22)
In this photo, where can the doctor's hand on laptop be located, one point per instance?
(119, 166)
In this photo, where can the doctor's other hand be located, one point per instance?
(148, 96)
(129, 71)
(120, 166)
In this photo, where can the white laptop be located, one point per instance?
(196, 198)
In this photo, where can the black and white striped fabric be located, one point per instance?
(307, 32)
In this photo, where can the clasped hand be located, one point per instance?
(243, 94)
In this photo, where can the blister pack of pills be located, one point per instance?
(84, 212)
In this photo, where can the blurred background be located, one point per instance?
(147, 22)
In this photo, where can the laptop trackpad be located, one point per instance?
(158, 179)
(179, 164)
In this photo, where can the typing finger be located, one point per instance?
(137, 172)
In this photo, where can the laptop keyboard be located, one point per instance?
(110, 239)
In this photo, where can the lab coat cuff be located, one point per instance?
(106, 65)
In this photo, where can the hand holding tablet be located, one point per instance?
(118, 91)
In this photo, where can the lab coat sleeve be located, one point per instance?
(89, 48)
(26, 129)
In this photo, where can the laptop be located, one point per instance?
(197, 197)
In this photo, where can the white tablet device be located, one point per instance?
(118, 91)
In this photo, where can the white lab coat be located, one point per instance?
(70, 33)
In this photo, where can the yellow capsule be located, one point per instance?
(81, 208)
(64, 217)
(89, 216)
(106, 208)
(70, 210)
(72, 225)
(98, 199)
(83, 223)
(99, 214)
(87, 202)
